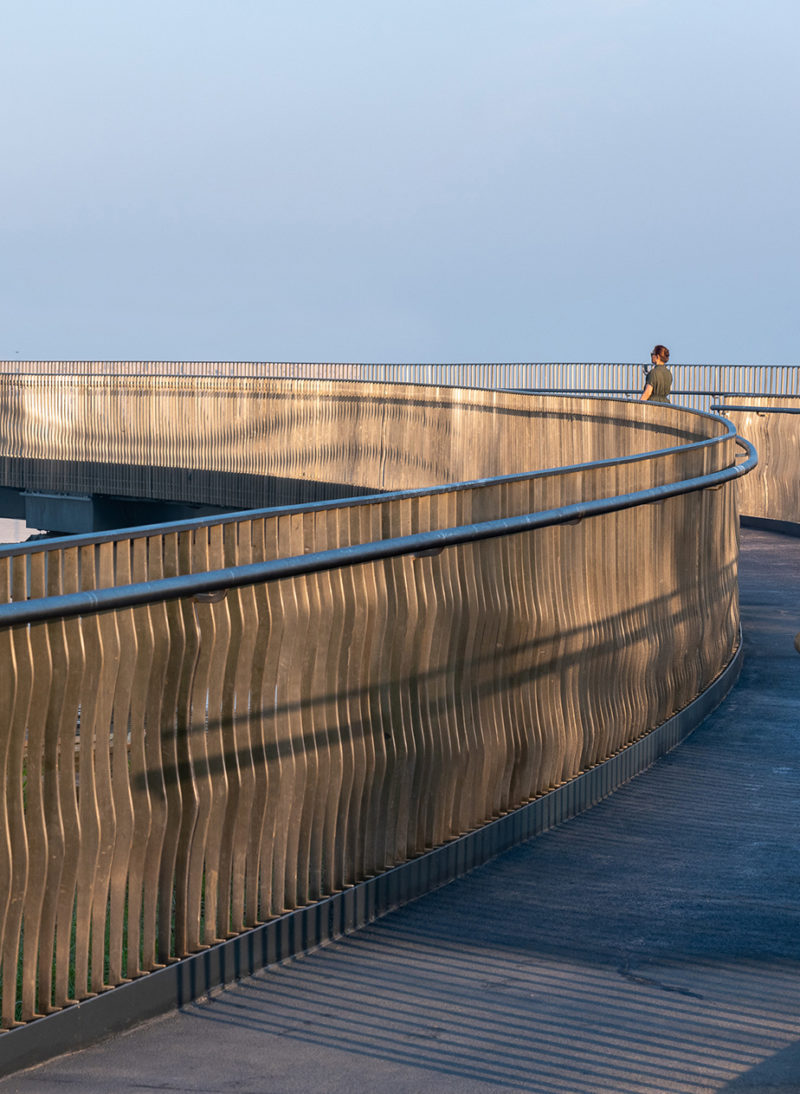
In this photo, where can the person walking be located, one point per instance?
(659, 379)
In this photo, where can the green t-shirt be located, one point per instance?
(660, 379)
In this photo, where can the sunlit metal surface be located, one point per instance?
(179, 768)
(772, 424)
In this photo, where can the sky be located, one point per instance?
(399, 180)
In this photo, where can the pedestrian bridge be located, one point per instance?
(446, 618)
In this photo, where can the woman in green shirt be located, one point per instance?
(659, 378)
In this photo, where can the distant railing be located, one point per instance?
(695, 384)
(208, 723)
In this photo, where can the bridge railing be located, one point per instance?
(695, 384)
(263, 441)
(772, 424)
(208, 723)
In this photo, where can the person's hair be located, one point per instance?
(662, 352)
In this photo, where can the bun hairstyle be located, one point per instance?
(662, 352)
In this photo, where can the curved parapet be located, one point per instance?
(772, 425)
(212, 723)
(248, 442)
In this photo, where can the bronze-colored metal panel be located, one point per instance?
(171, 647)
(257, 896)
(146, 785)
(193, 771)
(244, 738)
(20, 661)
(208, 898)
(194, 766)
(37, 647)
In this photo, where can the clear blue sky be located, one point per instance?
(400, 180)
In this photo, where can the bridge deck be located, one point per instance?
(650, 945)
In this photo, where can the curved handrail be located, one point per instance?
(625, 391)
(186, 585)
(721, 408)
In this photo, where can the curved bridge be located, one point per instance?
(215, 722)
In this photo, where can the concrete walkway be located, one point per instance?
(650, 945)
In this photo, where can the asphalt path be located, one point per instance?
(650, 945)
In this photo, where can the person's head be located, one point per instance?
(660, 355)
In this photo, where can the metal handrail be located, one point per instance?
(630, 391)
(720, 408)
(18, 367)
(186, 585)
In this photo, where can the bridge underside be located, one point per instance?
(85, 513)
(173, 495)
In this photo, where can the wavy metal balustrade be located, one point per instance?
(773, 425)
(208, 723)
(257, 442)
